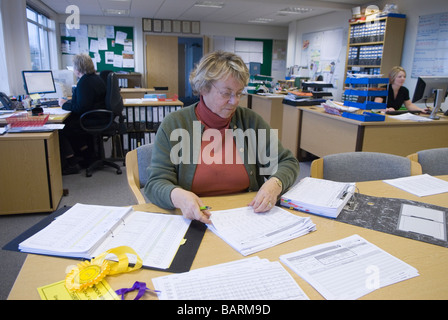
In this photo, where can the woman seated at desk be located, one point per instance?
(89, 94)
(397, 93)
(213, 163)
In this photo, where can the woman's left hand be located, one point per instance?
(267, 196)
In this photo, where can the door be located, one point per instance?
(162, 63)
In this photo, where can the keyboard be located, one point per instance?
(396, 112)
(50, 103)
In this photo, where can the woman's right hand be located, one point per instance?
(189, 203)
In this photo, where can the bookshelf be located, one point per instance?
(143, 120)
(375, 46)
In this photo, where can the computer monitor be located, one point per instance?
(431, 88)
(38, 81)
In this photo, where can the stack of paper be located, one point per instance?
(249, 232)
(348, 268)
(247, 279)
(318, 196)
(85, 231)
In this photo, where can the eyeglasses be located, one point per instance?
(227, 95)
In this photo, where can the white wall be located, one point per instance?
(331, 21)
(15, 46)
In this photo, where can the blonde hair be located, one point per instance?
(394, 73)
(83, 63)
(215, 66)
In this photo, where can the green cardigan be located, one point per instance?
(167, 173)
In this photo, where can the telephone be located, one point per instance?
(6, 103)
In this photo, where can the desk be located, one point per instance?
(270, 108)
(322, 134)
(30, 170)
(431, 261)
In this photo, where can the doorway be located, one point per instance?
(190, 51)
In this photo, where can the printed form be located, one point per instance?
(347, 269)
(249, 232)
(247, 279)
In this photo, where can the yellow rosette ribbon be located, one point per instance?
(89, 273)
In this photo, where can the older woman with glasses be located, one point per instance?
(214, 147)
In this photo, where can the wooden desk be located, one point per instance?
(431, 261)
(322, 134)
(30, 170)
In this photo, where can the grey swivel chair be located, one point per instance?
(137, 163)
(363, 166)
(433, 161)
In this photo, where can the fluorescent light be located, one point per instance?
(261, 20)
(209, 4)
(295, 10)
(116, 12)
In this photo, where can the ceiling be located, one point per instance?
(232, 11)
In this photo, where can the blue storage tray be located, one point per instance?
(365, 116)
(365, 105)
(367, 80)
(366, 93)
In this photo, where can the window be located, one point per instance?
(39, 28)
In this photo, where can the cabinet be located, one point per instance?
(30, 167)
(129, 80)
(374, 47)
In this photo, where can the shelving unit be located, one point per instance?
(143, 120)
(375, 46)
(368, 88)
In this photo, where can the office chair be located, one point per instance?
(433, 161)
(106, 123)
(137, 164)
(363, 166)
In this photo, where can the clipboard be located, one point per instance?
(181, 263)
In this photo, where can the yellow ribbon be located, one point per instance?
(89, 273)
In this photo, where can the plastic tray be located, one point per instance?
(365, 116)
(27, 120)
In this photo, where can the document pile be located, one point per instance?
(318, 196)
(246, 279)
(84, 231)
(347, 269)
(249, 232)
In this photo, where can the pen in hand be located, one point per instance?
(205, 208)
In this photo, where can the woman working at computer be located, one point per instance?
(214, 147)
(90, 93)
(397, 93)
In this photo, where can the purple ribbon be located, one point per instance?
(140, 286)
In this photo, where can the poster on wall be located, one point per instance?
(321, 53)
(431, 46)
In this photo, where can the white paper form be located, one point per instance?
(248, 232)
(425, 221)
(76, 230)
(155, 237)
(246, 279)
(420, 185)
(348, 268)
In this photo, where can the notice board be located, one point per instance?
(431, 46)
(111, 47)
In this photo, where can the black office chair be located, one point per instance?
(107, 123)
